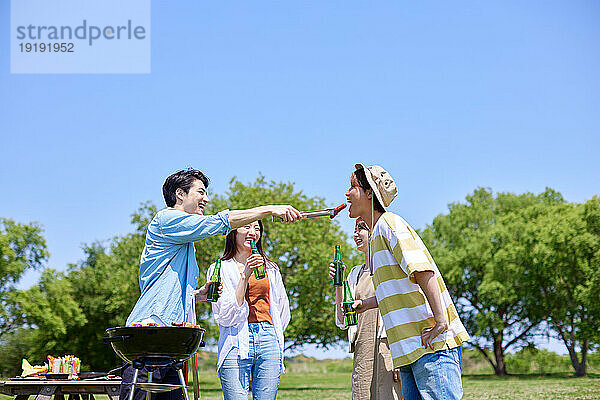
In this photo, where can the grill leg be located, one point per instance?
(183, 385)
(148, 394)
(135, 375)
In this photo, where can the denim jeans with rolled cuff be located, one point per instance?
(433, 376)
(262, 367)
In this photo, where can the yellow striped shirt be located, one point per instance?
(398, 252)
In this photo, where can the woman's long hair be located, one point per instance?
(231, 249)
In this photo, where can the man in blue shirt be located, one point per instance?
(168, 269)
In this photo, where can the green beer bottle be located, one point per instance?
(215, 280)
(259, 272)
(339, 270)
(349, 312)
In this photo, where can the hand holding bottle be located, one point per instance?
(350, 317)
(332, 271)
(259, 270)
(202, 293)
(254, 261)
(338, 293)
(215, 283)
(338, 277)
(363, 305)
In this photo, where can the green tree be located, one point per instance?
(22, 248)
(560, 248)
(51, 306)
(471, 245)
(15, 347)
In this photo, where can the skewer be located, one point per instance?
(328, 212)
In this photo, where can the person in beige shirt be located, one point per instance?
(373, 376)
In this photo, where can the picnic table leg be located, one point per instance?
(112, 392)
(73, 396)
(59, 396)
(22, 397)
(45, 393)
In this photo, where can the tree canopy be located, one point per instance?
(22, 248)
(559, 247)
(515, 261)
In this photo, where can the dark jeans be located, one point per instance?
(159, 375)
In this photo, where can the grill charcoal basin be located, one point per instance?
(154, 345)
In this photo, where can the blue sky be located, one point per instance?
(447, 97)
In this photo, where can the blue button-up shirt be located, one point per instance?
(168, 268)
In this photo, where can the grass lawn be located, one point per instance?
(336, 386)
(525, 387)
(306, 385)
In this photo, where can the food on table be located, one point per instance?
(35, 370)
(68, 364)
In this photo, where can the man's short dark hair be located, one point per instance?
(183, 179)
(361, 177)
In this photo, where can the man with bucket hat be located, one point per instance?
(423, 328)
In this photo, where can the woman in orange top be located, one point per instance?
(252, 315)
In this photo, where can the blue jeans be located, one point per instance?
(262, 367)
(433, 376)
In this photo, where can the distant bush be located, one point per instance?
(344, 365)
(473, 363)
(303, 364)
(594, 363)
(526, 361)
(207, 361)
(529, 360)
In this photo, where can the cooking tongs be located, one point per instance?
(328, 212)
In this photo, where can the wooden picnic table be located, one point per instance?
(84, 389)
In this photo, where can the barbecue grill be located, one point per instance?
(150, 347)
